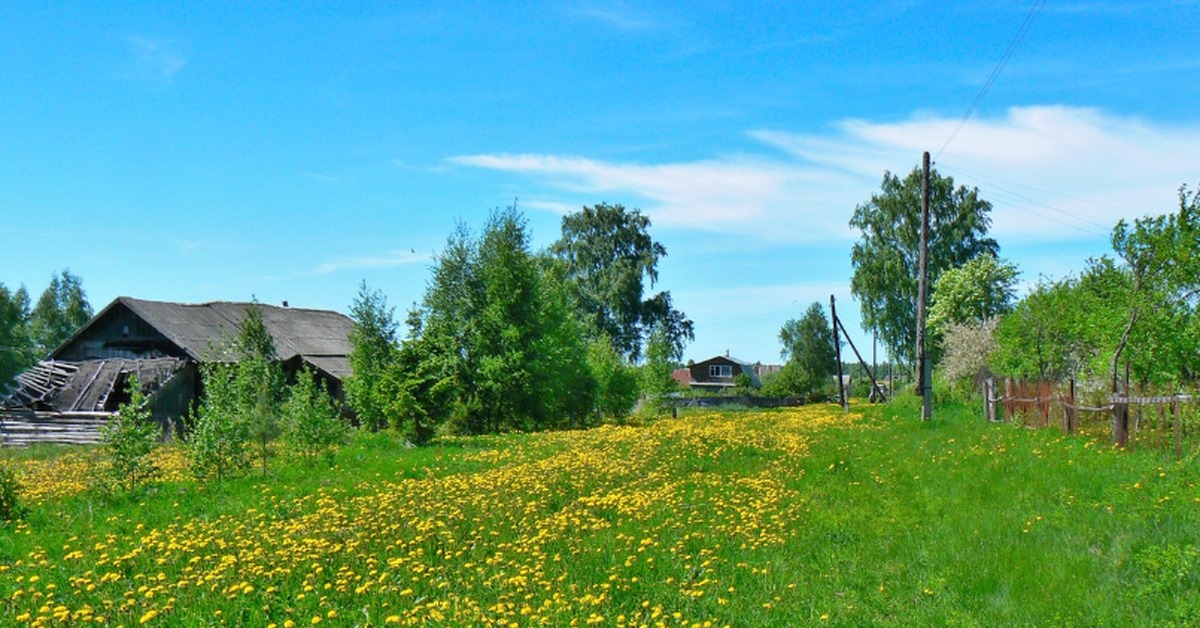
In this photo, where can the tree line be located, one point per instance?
(1137, 307)
(30, 331)
(508, 338)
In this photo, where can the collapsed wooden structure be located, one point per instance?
(69, 395)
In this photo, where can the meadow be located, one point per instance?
(801, 516)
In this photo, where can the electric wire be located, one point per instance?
(1012, 47)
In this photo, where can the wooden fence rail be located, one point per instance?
(1164, 422)
(18, 429)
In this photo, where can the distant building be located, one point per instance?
(720, 372)
(763, 370)
(164, 344)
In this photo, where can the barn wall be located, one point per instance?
(119, 333)
(171, 403)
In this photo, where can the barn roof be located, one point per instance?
(204, 330)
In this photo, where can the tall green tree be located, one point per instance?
(16, 347)
(611, 261)
(373, 349)
(493, 336)
(61, 310)
(809, 351)
(1162, 255)
(983, 288)
(260, 382)
(885, 257)
(1063, 328)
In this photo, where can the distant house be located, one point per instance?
(720, 372)
(83, 381)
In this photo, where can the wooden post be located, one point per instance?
(1008, 410)
(989, 402)
(924, 386)
(837, 347)
(1178, 428)
(1072, 417)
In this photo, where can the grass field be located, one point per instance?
(791, 517)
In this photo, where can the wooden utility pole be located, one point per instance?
(837, 348)
(924, 368)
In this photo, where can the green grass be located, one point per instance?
(887, 520)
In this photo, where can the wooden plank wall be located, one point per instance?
(59, 428)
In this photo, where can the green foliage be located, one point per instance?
(494, 340)
(217, 441)
(373, 350)
(1140, 309)
(808, 347)
(61, 310)
(312, 428)
(789, 381)
(241, 405)
(420, 385)
(16, 347)
(657, 383)
(11, 508)
(129, 438)
(885, 258)
(617, 385)
(609, 257)
(1163, 259)
(259, 383)
(982, 288)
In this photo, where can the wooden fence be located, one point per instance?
(1168, 423)
(22, 428)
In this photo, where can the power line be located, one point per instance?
(1012, 47)
(1015, 200)
(992, 181)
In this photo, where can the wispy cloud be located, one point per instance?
(391, 259)
(1052, 172)
(154, 60)
(320, 176)
(618, 15)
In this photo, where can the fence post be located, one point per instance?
(1178, 427)
(989, 406)
(1072, 418)
(1007, 397)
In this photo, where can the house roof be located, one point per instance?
(203, 330)
(85, 386)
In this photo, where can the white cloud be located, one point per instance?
(391, 259)
(1052, 173)
(154, 60)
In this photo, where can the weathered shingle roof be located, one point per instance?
(204, 330)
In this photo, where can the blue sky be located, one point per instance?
(207, 151)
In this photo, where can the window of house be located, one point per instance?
(720, 370)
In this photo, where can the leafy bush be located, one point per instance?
(312, 428)
(617, 386)
(217, 444)
(129, 438)
(10, 488)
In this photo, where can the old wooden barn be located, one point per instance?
(67, 396)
